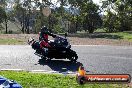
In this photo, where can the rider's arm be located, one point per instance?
(51, 34)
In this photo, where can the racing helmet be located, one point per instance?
(44, 29)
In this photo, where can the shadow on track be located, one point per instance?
(58, 65)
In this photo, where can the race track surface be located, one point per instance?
(96, 59)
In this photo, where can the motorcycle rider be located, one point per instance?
(43, 38)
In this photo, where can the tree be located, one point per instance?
(3, 3)
(24, 11)
(20, 12)
(89, 14)
(2, 16)
(120, 12)
(109, 22)
(41, 18)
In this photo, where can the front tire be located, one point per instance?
(73, 56)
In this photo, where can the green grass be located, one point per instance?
(35, 80)
(8, 41)
(100, 33)
(127, 35)
(124, 35)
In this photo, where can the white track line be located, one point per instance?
(41, 71)
(11, 69)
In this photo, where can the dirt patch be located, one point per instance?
(73, 40)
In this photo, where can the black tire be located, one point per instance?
(73, 56)
(81, 80)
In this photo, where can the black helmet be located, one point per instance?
(43, 28)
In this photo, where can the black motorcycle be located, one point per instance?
(61, 49)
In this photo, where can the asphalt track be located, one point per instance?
(96, 59)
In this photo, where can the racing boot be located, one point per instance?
(38, 52)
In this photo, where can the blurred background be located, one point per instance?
(60, 16)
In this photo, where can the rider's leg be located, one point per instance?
(45, 51)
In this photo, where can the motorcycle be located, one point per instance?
(60, 49)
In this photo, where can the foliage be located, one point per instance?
(92, 21)
(119, 15)
(2, 14)
(58, 29)
(19, 14)
(89, 15)
(124, 35)
(6, 5)
(71, 16)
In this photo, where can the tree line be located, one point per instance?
(71, 16)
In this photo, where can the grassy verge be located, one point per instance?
(34, 80)
(124, 35)
(11, 39)
(104, 35)
(8, 41)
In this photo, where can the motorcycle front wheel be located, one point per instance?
(73, 56)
